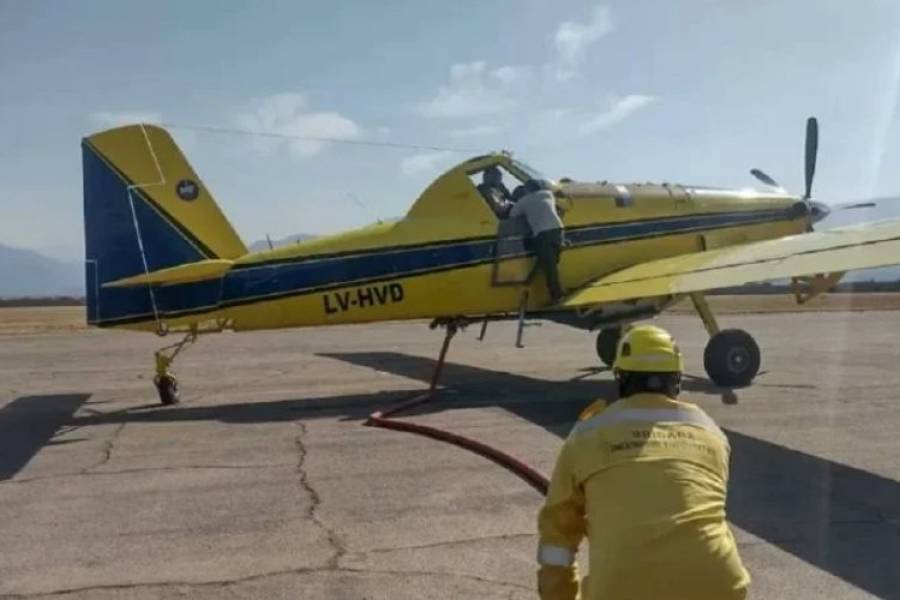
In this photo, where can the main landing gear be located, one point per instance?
(608, 344)
(732, 357)
(166, 384)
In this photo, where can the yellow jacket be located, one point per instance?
(645, 480)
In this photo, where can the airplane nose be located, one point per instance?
(818, 211)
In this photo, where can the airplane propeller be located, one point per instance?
(817, 210)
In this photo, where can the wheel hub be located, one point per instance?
(737, 359)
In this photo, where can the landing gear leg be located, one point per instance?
(732, 357)
(706, 314)
(166, 384)
(453, 327)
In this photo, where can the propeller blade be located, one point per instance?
(853, 205)
(866, 202)
(820, 210)
(762, 176)
(812, 150)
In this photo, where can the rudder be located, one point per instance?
(145, 209)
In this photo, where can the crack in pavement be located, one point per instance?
(340, 550)
(106, 454)
(419, 573)
(332, 565)
(91, 473)
(503, 536)
(316, 501)
(107, 450)
(260, 576)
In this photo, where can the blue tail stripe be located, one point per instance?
(112, 250)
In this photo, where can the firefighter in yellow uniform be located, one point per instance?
(644, 478)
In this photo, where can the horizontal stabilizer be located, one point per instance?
(196, 271)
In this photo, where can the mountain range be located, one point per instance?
(28, 273)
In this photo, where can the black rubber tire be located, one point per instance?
(608, 344)
(732, 358)
(167, 388)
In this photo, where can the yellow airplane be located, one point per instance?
(161, 256)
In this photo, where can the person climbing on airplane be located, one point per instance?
(538, 206)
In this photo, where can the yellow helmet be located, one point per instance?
(648, 349)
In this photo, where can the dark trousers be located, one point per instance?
(547, 246)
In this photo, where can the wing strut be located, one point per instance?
(706, 313)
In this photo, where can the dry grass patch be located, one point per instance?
(41, 319)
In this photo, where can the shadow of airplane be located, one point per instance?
(29, 423)
(841, 519)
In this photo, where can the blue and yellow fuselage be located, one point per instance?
(143, 216)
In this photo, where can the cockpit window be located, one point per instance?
(497, 185)
(528, 170)
(506, 177)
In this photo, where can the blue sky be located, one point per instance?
(694, 91)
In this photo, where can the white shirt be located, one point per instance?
(539, 209)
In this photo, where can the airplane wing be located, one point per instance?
(836, 250)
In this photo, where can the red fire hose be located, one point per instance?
(382, 419)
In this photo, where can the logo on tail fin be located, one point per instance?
(187, 190)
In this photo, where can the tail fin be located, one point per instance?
(145, 210)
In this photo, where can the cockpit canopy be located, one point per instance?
(461, 193)
(512, 172)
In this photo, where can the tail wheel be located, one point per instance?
(731, 358)
(608, 344)
(167, 387)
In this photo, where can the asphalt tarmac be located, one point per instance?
(263, 483)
